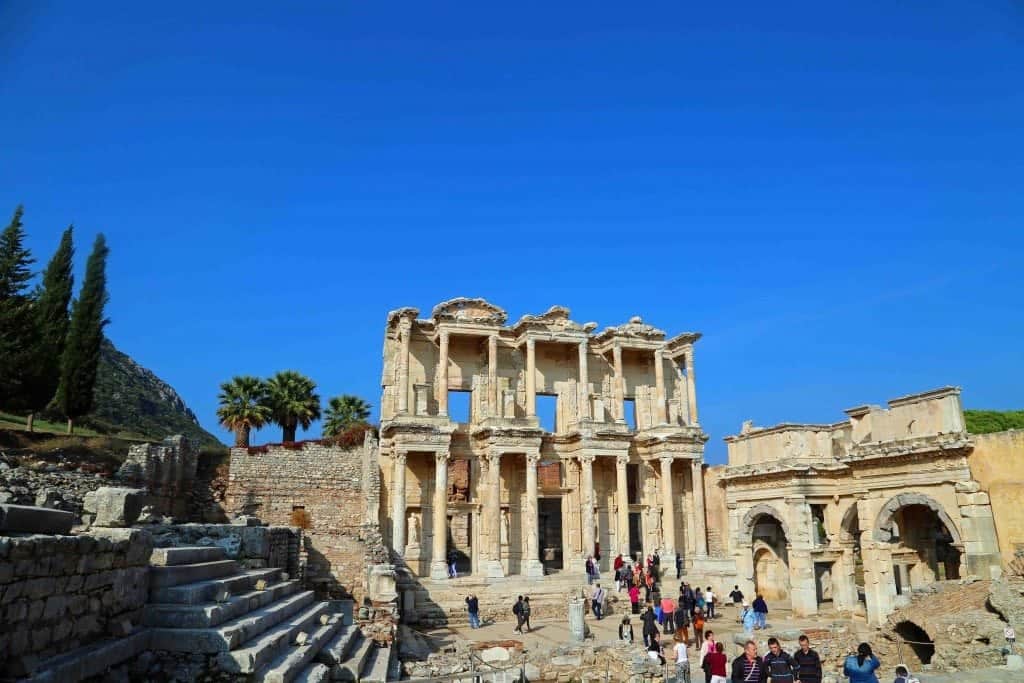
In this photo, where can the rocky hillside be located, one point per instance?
(130, 398)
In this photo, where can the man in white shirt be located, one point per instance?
(682, 663)
(709, 601)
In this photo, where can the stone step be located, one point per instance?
(177, 575)
(292, 661)
(191, 554)
(315, 673)
(91, 660)
(265, 647)
(337, 648)
(211, 614)
(234, 633)
(205, 591)
(376, 668)
(351, 668)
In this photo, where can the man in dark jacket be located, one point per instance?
(650, 625)
(748, 667)
(760, 612)
(808, 663)
(687, 598)
(779, 666)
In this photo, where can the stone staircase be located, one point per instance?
(255, 624)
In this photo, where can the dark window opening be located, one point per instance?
(818, 524)
(633, 484)
(459, 403)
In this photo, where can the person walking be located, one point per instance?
(709, 601)
(634, 598)
(679, 565)
(737, 600)
(626, 631)
(706, 649)
(716, 663)
(749, 619)
(861, 667)
(761, 612)
(526, 614)
(517, 610)
(597, 601)
(698, 628)
(686, 597)
(682, 618)
(656, 601)
(748, 667)
(808, 663)
(617, 570)
(654, 650)
(453, 556)
(682, 663)
(699, 602)
(650, 625)
(779, 666)
(473, 607)
(668, 616)
(591, 570)
(1011, 638)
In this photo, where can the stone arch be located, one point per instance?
(849, 528)
(883, 523)
(760, 510)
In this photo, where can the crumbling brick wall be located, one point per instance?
(61, 592)
(331, 492)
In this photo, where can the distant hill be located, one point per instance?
(988, 421)
(131, 399)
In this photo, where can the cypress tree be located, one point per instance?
(51, 319)
(85, 336)
(16, 329)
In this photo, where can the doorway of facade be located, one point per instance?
(823, 582)
(549, 533)
(636, 536)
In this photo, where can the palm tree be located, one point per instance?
(243, 406)
(293, 401)
(343, 412)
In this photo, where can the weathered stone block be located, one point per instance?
(976, 510)
(34, 520)
(979, 498)
(113, 506)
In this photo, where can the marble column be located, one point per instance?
(398, 503)
(584, 383)
(405, 332)
(439, 556)
(442, 378)
(622, 503)
(492, 374)
(700, 545)
(531, 378)
(532, 566)
(668, 511)
(659, 383)
(620, 385)
(492, 503)
(587, 503)
(691, 386)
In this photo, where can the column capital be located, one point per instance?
(667, 459)
(492, 457)
(587, 458)
(401, 456)
(622, 459)
(532, 459)
(442, 457)
(444, 336)
(530, 342)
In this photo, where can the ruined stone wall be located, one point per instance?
(997, 464)
(325, 490)
(167, 470)
(716, 511)
(254, 547)
(61, 592)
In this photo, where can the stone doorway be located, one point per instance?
(549, 533)
(823, 580)
(636, 535)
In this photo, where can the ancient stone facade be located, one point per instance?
(611, 462)
(886, 495)
(330, 492)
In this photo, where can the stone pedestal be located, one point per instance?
(577, 627)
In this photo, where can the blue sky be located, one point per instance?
(830, 192)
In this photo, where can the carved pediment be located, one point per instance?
(635, 328)
(555, 319)
(463, 309)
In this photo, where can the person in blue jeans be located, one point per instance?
(860, 668)
(760, 612)
(473, 607)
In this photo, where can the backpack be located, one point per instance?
(516, 609)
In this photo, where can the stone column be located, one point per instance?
(587, 501)
(668, 510)
(532, 566)
(803, 593)
(442, 380)
(531, 378)
(405, 332)
(691, 386)
(700, 547)
(659, 383)
(398, 503)
(492, 374)
(492, 505)
(584, 398)
(879, 581)
(620, 385)
(622, 501)
(439, 556)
